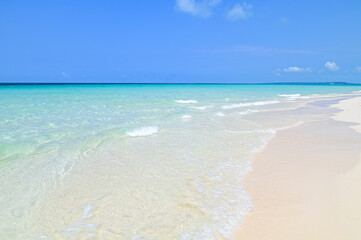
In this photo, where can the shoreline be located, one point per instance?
(304, 183)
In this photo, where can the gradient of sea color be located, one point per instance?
(133, 161)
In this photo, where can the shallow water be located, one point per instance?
(135, 161)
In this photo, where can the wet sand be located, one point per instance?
(306, 183)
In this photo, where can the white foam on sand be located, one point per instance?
(249, 104)
(83, 224)
(186, 101)
(142, 131)
(220, 114)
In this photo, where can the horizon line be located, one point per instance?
(175, 83)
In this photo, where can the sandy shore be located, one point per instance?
(306, 184)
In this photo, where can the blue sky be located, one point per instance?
(180, 41)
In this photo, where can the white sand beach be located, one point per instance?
(306, 182)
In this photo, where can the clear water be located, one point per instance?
(133, 161)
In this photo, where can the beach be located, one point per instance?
(305, 184)
(178, 161)
(180, 120)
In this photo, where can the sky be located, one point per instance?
(184, 41)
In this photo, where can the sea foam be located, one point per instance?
(142, 131)
(247, 111)
(186, 116)
(291, 96)
(248, 104)
(84, 224)
(202, 107)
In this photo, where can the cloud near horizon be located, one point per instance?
(240, 11)
(331, 66)
(297, 69)
(64, 74)
(202, 8)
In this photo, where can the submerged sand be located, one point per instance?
(306, 182)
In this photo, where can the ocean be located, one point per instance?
(137, 161)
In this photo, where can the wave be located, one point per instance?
(248, 104)
(142, 131)
(202, 107)
(220, 114)
(186, 101)
(295, 96)
(291, 96)
(186, 116)
(248, 111)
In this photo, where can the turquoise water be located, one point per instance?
(133, 161)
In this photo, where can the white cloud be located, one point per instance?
(239, 11)
(358, 69)
(331, 66)
(65, 75)
(297, 69)
(202, 8)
